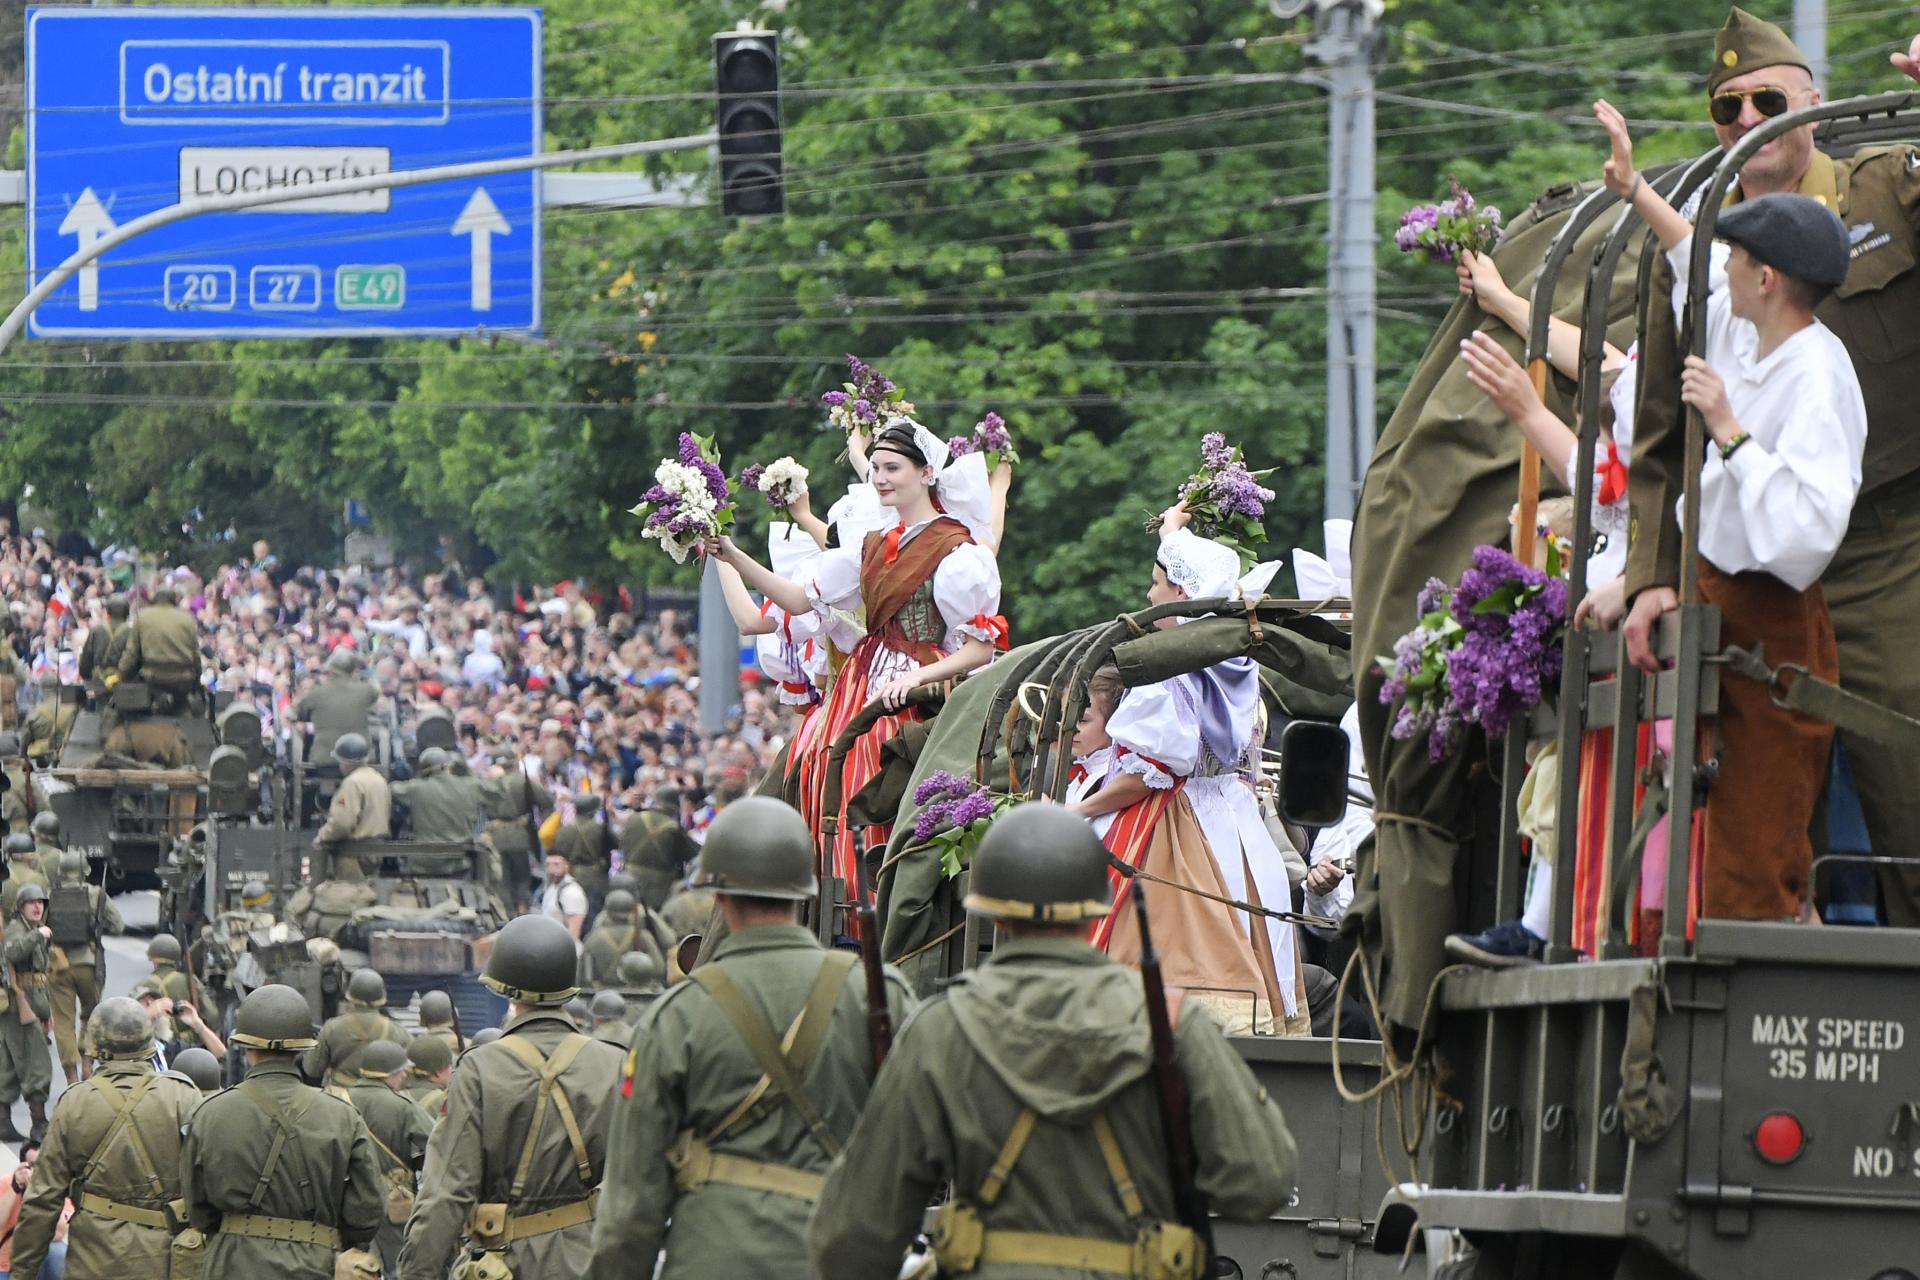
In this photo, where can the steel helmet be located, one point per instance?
(254, 895)
(758, 847)
(430, 1054)
(199, 1066)
(18, 842)
(29, 893)
(433, 758)
(579, 1009)
(1043, 863)
(121, 1030)
(619, 904)
(46, 823)
(486, 1035)
(436, 1009)
(350, 748)
(381, 1059)
(609, 1006)
(637, 969)
(163, 949)
(367, 987)
(533, 961)
(73, 863)
(274, 1018)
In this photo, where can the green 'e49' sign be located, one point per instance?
(358, 288)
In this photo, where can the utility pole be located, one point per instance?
(719, 646)
(1810, 33)
(1344, 44)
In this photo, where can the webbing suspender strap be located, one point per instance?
(282, 1129)
(783, 1070)
(1003, 1163)
(123, 1105)
(549, 1070)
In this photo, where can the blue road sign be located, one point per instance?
(131, 110)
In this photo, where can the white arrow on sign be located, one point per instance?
(481, 219)
(87, 221)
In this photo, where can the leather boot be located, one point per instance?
(7, 1132)
(37, 1109)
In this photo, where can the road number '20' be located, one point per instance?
(201, 289)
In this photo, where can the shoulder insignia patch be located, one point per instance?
(626, 1072)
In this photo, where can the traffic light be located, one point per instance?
(746, 68)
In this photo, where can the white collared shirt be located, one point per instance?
(1782, 502)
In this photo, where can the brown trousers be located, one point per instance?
(1773, 763)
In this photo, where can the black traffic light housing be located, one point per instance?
(746, 69)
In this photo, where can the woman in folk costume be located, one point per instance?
(1182, 805)
(928, 591)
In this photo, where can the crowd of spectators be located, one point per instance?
(585, 691)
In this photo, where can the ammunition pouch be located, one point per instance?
(483, 1266)
(399, 1196)
(696, 1165)
(487, 1225)
(187, 1256)
(492, 1227)
(356, 1264)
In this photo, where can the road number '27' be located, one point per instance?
(284, 289)
(1788, 1064)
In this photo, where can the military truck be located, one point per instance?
(1731, 1098)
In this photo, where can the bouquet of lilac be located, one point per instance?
(866, 400)
(991, 437)
(690, 500)
(955, 817)
(1228, 503)
(783, 481)
(1484, 651)
(1442, 232)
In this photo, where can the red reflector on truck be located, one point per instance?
(1779, 1138)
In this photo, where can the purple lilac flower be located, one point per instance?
(689, 449)
(1432, 596)
(835, 399)
(941, 783)
(960, 446)
(931, 819)
(970, 809)
(992, 433)
(863, 411)
(1234, 491)
(750, 476)
(1215, 452)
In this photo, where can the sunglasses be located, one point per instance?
(1768, 100)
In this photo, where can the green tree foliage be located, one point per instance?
(1105, 222)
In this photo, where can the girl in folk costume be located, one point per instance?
(1180, 799)
(929, 592)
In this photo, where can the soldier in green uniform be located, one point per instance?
(21, 870)
(515, 1163)
(47, 849)
(163, 953)
(340, 704)
(658, 849)
(78, 913)
(27, 1021)
(14, 813)
(624, 925)
(429, 1071)
(445, 807)
(197, 1065)
(639, 986)
(587, 846)
(50, 722)
(113, 1149)
(1870, 590)
(436, 1020)
(362, 809)
(1027, 1088)
(334, 1060)
(399, 1130)
(724, 1134)
(515, 806)
(280, 1177)
(163, 648)
(94, 663)
(609, 1014)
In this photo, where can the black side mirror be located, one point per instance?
(1313, 773)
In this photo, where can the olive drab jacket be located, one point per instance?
(273, 1147)
(362, 809)
(399, 1131)
(162, 646)
(94, 663)
(481, 1140)
(113, 1148)
(724, 1187)
(339, 704)
(1055, 1030)
(641, 930)
(30, 957)
(658, 852)
(445, 806)
(335, 1058)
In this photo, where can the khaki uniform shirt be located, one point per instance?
(338, 705)
(362, 809)
(688, 1070)
(98, 1245)
(335, 1058)
(328, 1172)
(1057, 1028)
(445, 807)
(476, 1148)
(162, 645)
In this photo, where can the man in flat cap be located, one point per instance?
(1872, 585)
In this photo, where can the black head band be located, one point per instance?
(898, 438)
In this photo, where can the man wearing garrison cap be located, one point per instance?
(1872, 585)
